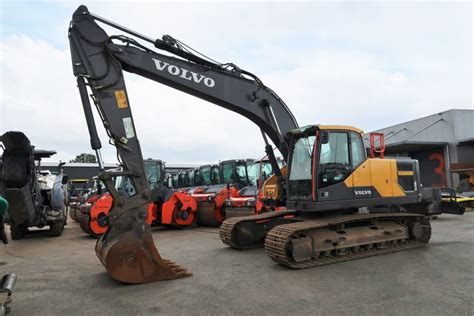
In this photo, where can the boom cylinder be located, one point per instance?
(271, 156)
(86, 105)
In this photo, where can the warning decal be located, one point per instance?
(121, 98)
(128, 126)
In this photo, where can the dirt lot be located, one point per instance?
(62, 275)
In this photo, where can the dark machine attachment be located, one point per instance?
(6, 288)
(36, 198)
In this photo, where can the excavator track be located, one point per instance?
(280, 247)
(228, 234)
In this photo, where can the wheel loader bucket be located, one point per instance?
(129, 255)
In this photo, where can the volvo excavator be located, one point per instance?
(329, 177)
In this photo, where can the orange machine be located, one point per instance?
(210, 200)
(170, 208)
(178, 211)
(99, 211)
(253, 199)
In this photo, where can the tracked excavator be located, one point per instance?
(329, 176)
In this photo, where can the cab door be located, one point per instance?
(360, 180)
(334, 166)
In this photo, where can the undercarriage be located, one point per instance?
(299, 243)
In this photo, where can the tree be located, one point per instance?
(85, 158)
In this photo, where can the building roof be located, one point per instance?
(110, 165)
(79, 164)
(448, 127)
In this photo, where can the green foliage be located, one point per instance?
(85, 158)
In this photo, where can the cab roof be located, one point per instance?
(341, 127)
(311, 129)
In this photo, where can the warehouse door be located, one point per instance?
(432, 167)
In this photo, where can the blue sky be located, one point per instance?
(367, 64)
(38, 19)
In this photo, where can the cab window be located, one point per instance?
(357, 150)
(206, 175)
(253, 171)
(227, 172)
(334, 160)
(267, 170)
(300, 177)
(241, 172)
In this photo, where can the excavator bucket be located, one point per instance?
(129, 255)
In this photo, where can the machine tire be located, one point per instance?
(56, 228)
(179, 226)
(17, 232)
(73, 214)
(66, 213)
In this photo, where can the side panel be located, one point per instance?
(396, 189)
(381, 174)
(375, 182)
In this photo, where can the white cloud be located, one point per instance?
(368, 65)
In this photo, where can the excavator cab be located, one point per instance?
(329, 167)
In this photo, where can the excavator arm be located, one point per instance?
(127, 249)
(100, 58)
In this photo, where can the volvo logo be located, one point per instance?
(363, 192)
(183, 73)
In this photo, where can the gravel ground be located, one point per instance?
(62, 276)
